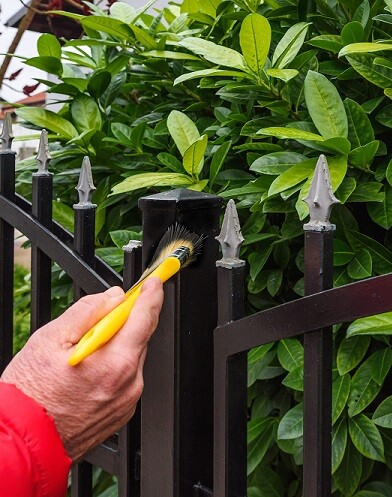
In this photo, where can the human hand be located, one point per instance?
(91, 401)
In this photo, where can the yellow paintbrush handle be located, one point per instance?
(110, 324)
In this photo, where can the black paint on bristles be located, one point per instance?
(177, 238)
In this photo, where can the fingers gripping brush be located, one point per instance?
(177, 249)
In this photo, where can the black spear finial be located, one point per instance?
(6, 134)
(85, 186)
(230, 238)
(43, 155)
(320, 199)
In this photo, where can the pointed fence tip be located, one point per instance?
(230, 238)
(6, 136)
(43, 155)
(85, 185)
(320, 199)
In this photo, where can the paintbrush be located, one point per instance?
(177, 249)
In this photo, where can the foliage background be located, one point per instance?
(238, 98)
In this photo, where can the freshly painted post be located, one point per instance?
(318, 344)
(84, 219)
(41, 264)
(230, 399)
(176, 448)
(129, 435)
(7, 190)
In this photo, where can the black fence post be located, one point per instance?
(176, 448)
(230, 406)
(41, 265)
(84, 217)
(318, 344)
(7, 190)
(129, 435)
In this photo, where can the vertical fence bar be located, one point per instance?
(129, 435)
(176, 448)
(230, 412)
(41, 264)
(84, 234)
(7, 189)
(318, 344)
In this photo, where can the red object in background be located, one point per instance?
(14, 75)
(28, 89)
(33, 461)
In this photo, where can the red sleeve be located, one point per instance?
(33, 461)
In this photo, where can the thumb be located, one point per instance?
(77, 320)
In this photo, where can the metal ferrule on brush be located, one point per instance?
(182, 254)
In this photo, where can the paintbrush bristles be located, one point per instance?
(175, 237)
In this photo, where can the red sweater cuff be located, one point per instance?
(36, 428)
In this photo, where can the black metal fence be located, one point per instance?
(188, 437)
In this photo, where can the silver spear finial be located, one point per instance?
(6, 136)
(43, 155)
(320, 199)
(85, 186)
(230, 238)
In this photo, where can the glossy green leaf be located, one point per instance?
(381, 256)
(214, 53)
(218, 159)
(340, 393)
(293, 176)
(255, 40)
(363, 156)
(183, 130)
(209, 72)
(350, 353)
(276, 162)
(98, 83)
(291, 425)
(363, 390)
(147, 180)
(193, 159)
(257, 260)
(361, 265)
(261, 436)
(49, 46)
(342, 253)
(49, 120)
(290, 353)
(269, 483)
(366, 437)
(381, 362)
(345, 190)
(363, 63)
(86, 114)
(348, 475)
(255, 357)
(51, 65)
(144, 38)
(352, 32)
(123, 134)
(289, 45)
(295, 379)
(64, 215)
(283, 74)
(381, 212)
(108, 25)
(382, 416)
(339, 443)
(325, 106)
(290, 134)
(360, 129)
(355, 48)
(274, 281)
(122, 237)
(331, 43)
(123, 12)
(167, 54)
(380, 324)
